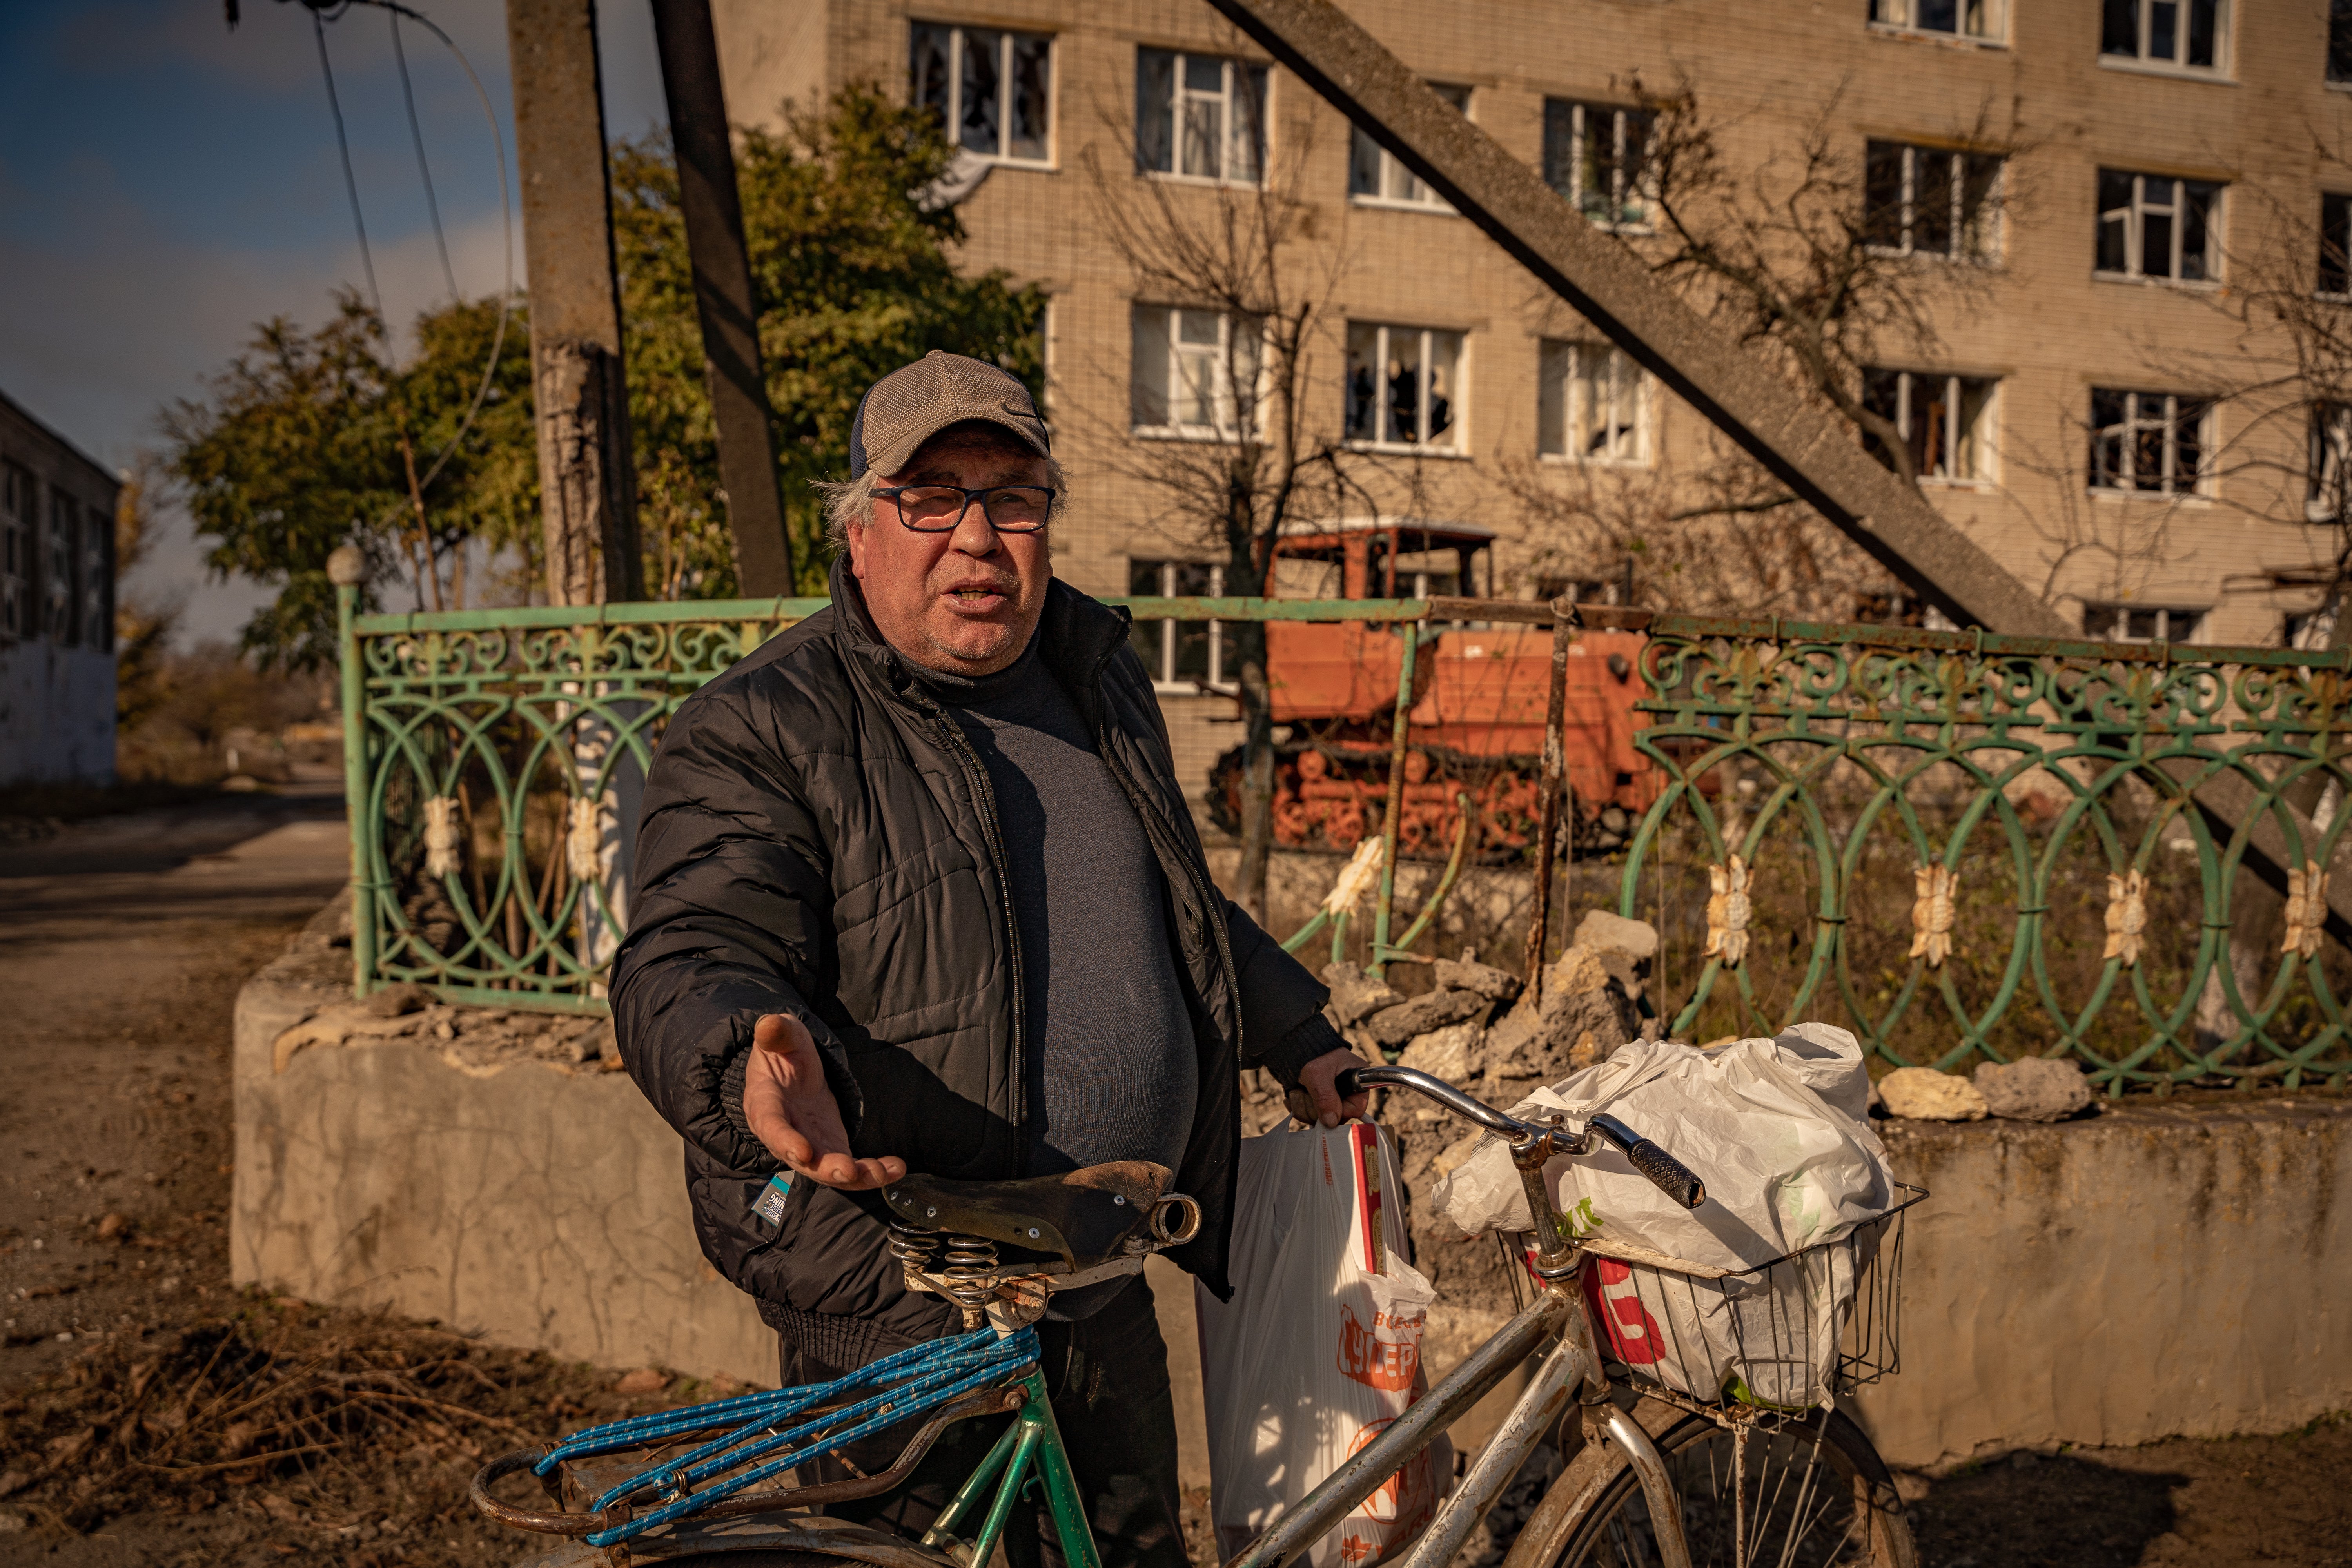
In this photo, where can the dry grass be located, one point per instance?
(355, 1428)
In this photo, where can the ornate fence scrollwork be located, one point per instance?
(500, 751)
(1967, 847)
(1962, 846)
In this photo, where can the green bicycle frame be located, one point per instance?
(1031, 1446)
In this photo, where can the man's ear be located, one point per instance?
(855, 533)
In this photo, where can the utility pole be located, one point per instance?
(713, 210)
(587, 486)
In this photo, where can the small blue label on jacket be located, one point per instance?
(770, 1206)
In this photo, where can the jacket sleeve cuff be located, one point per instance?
(1314, 1036)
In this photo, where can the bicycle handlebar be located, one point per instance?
(1662, 1169)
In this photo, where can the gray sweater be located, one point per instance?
(1109, 1055)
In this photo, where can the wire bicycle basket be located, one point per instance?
(1776, 1340)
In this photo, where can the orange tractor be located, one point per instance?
(1477, 728)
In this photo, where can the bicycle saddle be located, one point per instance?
(1087, 1215)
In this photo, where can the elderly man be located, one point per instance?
(919, 889)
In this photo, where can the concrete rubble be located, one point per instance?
(1923, 1094)
(479, 1041)
(2038, 1088)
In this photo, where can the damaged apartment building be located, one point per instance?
(2090, 206)
(57, 607)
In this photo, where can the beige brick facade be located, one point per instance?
(2043, 324)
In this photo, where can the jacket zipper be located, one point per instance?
(983, 793)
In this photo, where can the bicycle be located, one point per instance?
(1682, 1455)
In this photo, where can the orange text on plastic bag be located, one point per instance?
(1377, 1363)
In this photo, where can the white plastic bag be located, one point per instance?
(1777, 1129)
(1320, 1347)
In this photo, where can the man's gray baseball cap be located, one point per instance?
(915, 401)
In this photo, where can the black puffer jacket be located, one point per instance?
(819, 838)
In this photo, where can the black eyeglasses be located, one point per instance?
(938, 509)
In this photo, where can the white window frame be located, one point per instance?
(1389, 174)
(1629, 199)
(1988, 225)
(19, 537)
(1007, 38)
(2166, 417)
(2144, 34)
(1457, 443)
(2329, 474)
(1560, 386)
(2106, 621)
(1229, 101)
(1901, 17)
(1163, 675)
(1987, 444)
(1229, 409)
(2172, 203)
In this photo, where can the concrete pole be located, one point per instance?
(587, 486)
(713, 210)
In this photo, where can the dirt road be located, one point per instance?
(122, 943)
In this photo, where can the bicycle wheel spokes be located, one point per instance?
(1791, 1499)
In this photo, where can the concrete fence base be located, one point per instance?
(2166, 1269)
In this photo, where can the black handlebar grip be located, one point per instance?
(1346, 1084)
(1667, 1173)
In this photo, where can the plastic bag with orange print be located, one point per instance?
(1320, 1347)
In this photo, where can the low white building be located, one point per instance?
(56, 607)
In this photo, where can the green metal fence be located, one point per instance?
(1961, 846)
(1969, 846)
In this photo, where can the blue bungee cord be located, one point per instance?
(917, 1379)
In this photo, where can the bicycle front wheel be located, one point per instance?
(1812, 1494)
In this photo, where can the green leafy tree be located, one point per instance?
(309, 440)
(855, 277)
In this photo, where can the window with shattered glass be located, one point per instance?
(1979, 19)
(1187, 655)
(1592, 404)
(1405, 386)
(1931, 201)
(1945, 422)
(2154, 225)
(1199, 116)
(16, 533)
(993, 90)
(1597, 155)
(2150, 442)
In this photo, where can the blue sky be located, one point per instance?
(164, 184)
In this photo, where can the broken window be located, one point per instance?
(994, 91)
(1945, 422)
(2330, 466)
(1195, 372)
(2339, 40)
(1405, 386)
(2334, 243)
(1951, 18)
(2149, 442)
(1596, 155)
(1180, 653)
(2182, 32)
(16, 531)
(1592, 404)
(2140, 623)
(1931, 201)
(61, 569)
(2152, 226)
(98, 580)
(1199, 115)
(1374, 176)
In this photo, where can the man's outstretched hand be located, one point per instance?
(792, 1112)
(1316, 1078)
